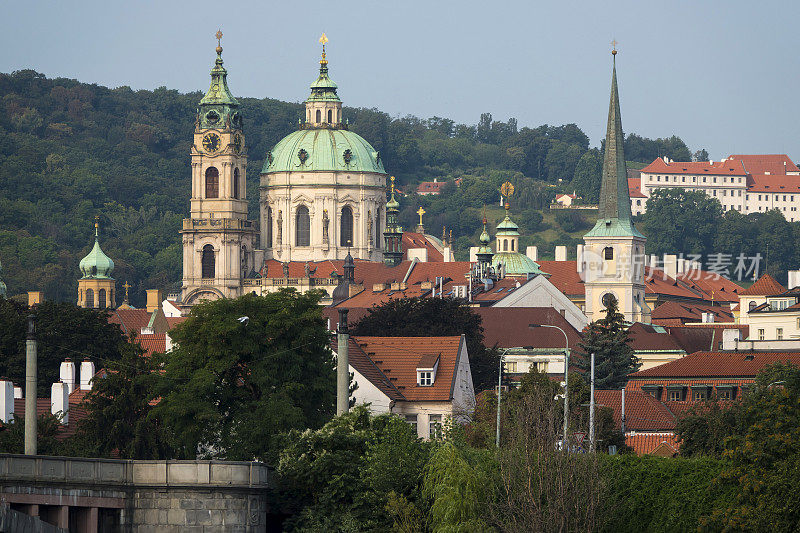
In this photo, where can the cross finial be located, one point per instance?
(218, 35)
(96, 225)
(420, 212)
(614, 44)
(323, 39)
(127, 286)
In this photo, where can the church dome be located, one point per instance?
(323, 150)
(516, 264)
(96, 264)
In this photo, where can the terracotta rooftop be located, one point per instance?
(718, 168)
(130, 320)
(564, 275)
(635, 188)
(398, 358)
(152, 343)
(662, 444)
(642, 411)
(508, 327)
(772, 183)
(430, 187)
(717, 364)
(765, 286)
(646, 337)
(689, 312)
(763, 163)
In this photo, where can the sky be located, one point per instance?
(722, 75)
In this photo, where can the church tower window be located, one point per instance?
(330, 116)
(346, 233)
(89, 298)
(208, 262)
(236, 183)
(319, 116)
(212, 182)
(512, 245)
(608, 252)
(378, 229)
(302, 228)
(101, 298)
(505, 245)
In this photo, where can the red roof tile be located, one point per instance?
(398, 357)
(762, 163)
(130, 320)
(645, 337)
(635, 188)
(499, 290)
(411, 239)
(664, 444)
(564, 275)
(773, 184)
(642, 411)
(718, 168)
(717, 364)
(367, 368)
(152, 343)
(508, 327)
(430, 187)
(765, 286)
(689, 312)
(716, 287)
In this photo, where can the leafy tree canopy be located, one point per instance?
(609, 340)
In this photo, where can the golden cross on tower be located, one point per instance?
(392, 178)
(127, 286)
(323, 40)
(218, 35)
(614, 44)
(420, 212)
(96, 225)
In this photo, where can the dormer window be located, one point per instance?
(426, 370)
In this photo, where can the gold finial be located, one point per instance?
(484, 216)
(444, 235)
(450, 240)
(614, 44)
(420, 212)
(127, 286)
(392, 180)
(218, 35)
(96, 225)
(323, 40)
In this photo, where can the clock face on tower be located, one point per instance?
(211, 142)
(237, 142)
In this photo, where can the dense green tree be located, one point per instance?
(340, 477)
(245, 370)
(119, 418)
(644, 150)
(63, 331)
(588, 175)
(609, 340)
(48, 426)
(693, 218)
(434, 317)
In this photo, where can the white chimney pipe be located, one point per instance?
(87, 373)
(67, 374)
(561, 253)
(6, 401)
(59, 400)
(532, 252)
(17, 393)
(579, 257)
(671, 265)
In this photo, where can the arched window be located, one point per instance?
(101, 298)
(208, 262)
(319, 116)
(346, 232)
(330, 116)
(378, 229)
(302, 227)
(212, 182)
(89, 298)
(608, 252)
(269, 227)
(505, 245)
(512, 245)
(236, 182)
(753, 305)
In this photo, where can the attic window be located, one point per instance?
(426, 370)
(425, 379)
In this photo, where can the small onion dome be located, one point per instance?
(97, 264)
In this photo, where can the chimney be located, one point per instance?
(681, 265)
(579, 257)
(473, 254)
(6, 400)
(794, 279)
(87, 373)
(532, 252)
(35, 298)
(17, 393)
(67, 374)
(154, 299)
(730, 339)
(561, 253)
(59, 401)
(447, 255)
(671, 265)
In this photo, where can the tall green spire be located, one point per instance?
(614, 214)
(218, 108)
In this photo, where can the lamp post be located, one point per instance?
(499, 385)
(566, 378)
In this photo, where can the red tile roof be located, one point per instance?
(646, 337)
(430, 187)
(772, 163)
(656, 281)
(564, 275)
(765, 286)
(642, 411)
(718, 168)
(508, 327)
(716, 287)
(397, 358)
(367, 368)
(130, 320)
(717, 364)
(499, 290)
(152, 343)
(689, 312)
(773, 183)
(635, 188)
(663, 444)
(418, 240)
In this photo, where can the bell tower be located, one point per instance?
(613, 254)
(218, 240)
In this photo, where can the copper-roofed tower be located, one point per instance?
(614, 249)
(96, 286)
(218, 240)
(393, 236)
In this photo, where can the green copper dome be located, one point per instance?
(507, 227)
(97, 264)
(516, 264)
(323, 149)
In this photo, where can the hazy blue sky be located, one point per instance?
(722, 75)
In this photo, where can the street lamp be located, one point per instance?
(566, 378)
